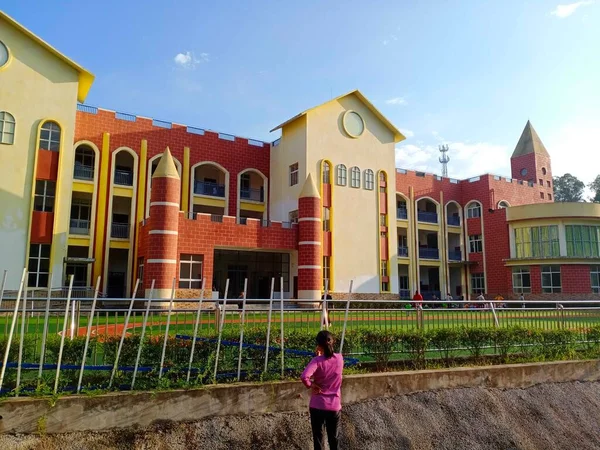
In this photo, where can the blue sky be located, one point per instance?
(468, 73)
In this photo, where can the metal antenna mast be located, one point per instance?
(444, 159)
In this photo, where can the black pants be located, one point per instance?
(331, 420)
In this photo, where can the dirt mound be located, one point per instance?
(550, 416)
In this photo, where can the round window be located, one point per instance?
(523, 172)
(543, 170)
(353, 124)
(3, 54)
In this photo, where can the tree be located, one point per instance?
(595, 188)
(568, 188)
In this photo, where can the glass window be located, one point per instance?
(140, 271)
(190, 271)
(7, 128)
(477, 283)
(355, 177)
(293, 216)
(44, 196)
(369, 180)
(326, 272)
(551, 282)
(326, 219)
(383, 268)
(473, 210)
(294, 174)
(521, 279)
(50, 137)
(475, 244)
(595, 274)
(537, 242)
(503, 205)
(38, 265)
(326, 173)
(583, 241)
(342, 175)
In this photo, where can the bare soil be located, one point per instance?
(549, 416)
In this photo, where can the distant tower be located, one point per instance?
(161, 264)
(310, 231)
(444, 159)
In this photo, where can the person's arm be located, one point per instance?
(309, 372)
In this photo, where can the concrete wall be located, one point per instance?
(84, 413)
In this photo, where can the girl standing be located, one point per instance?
(323, 375)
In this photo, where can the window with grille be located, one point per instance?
(140, 271)
(551, 282)
(326, 219)
(38, 265)
(473, 210)
(294, 174)
(293, 216)
(355, 177)
(342, 175)
(595, 274)
(326, 272)
(326, 173)
(50, 137)
(477, 283)
(475, 244)
(7, 128)
(44, 196)
(537, 242)
(369, 180)
(521, 279)
(190, 271)
(583, 241)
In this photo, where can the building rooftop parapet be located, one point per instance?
(88, 109)
(473, 179)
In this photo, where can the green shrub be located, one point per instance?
(380, 345)
(476, 339)
(415, 343)
(445, 341)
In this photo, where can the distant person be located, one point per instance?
(418, 299)
(481, 299)
(240, 302)
(450, 300)
(326, 297)
(500, 301)
(522, 298)
(323, 376)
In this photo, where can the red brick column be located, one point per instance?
(310, 238)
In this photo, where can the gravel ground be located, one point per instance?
(549, 416)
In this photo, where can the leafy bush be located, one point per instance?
(476, 339)
(379, 345)
(416, 343)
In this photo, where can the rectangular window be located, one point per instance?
(541, 195)
(473, 211)
(294, 174)
(549, 185)
(595, 274)
(383, 268)
(293, 216)
(475, 244)
(549, 196)
(383, 220)
(551, 282)
(38, 265)
(541, 182)
(477, 283)
(521, 279)
(44, 196)
(537, 242)
(583, 241)
(190, 271)
(326, 272)
(326, 219)
(140, 271)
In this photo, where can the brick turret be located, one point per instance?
(310, 231)
(161, 264)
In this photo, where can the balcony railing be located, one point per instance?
(454, 220)
(403, 251)
(401, 213)
(429, 253)
(255, 195)
(124, 177)
(212, 189)
(79, 226)
(454, 255)
(429, 217)
(82, 172)
(119, 230)
(405, 294)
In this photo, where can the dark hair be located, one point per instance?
(325, 341)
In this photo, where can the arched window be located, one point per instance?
(473, 210)
(7, 128)
(503, 204)
(50, 137)
(326, 173)
(369, 180)
(355, 177)
(382, 177)
(342, 175)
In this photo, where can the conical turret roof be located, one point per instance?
(166, 167)
(310, 188)
(529, 143)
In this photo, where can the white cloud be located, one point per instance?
(466, 160)
(563, 11)
(396, 101)
(385, 42)
(407, 133)
(188, 60)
